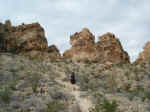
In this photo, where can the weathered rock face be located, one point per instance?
(83, 38)
(83, 46)
(107, 50)
(24, 39)
(145, 55)
(48, 54)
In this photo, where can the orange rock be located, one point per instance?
(110, 49)
(145, 54)
(107, 50)
(83, 46)
(26, 39)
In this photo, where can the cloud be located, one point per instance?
(128, 19)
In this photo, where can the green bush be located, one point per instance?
(87, 61)
(140, 92)
(12, 84)
(13, 70)
(5, 95)
(146, 95)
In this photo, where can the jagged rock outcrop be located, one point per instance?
(83, 46)
(107, 50)
(29, 40)
(26, 39)
(145, 54)
(51, 53)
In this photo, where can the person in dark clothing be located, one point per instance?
(72, 78)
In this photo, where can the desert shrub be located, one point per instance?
(111, 82)
(140, 92)
(13, 70)
(34, 79)
(22, 68)
(87, 61)
(12, 84)
(55, 106)
(146, 95)
(104, 105)
(5, 95)
(84, 80)
(94, 84)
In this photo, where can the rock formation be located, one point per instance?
(26, 39)
(107, 50)
(83, 46)
(145, 54)
(29, 40)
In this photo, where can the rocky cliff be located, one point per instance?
(29, 40)
(145, 54)
(83, 46)
(26, 39)
(107, 50)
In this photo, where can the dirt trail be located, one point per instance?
(84, 103)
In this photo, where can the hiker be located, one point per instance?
(2, 44)
(73, 80)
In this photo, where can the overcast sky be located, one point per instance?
(129, 20)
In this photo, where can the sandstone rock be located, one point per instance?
(26, 39)
(107, 50)
(145, 55)
(50, 53)
(83, 46)
(23, 38)
(52, 49)
(82, 38)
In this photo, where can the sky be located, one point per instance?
(129, 20)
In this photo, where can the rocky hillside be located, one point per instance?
(43, 86)
(35, 78)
